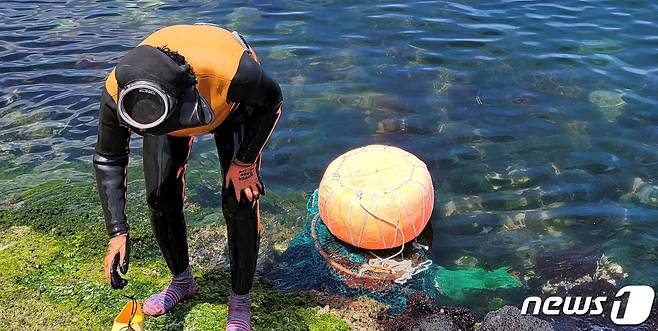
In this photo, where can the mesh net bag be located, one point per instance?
(316, 260)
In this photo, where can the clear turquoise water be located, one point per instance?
(504, 100)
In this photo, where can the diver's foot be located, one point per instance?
(239, 312)
(181, 287)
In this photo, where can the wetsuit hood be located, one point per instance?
(157, 95)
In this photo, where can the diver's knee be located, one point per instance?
(234, 209)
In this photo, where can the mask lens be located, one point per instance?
(143, 106)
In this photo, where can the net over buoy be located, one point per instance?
(376, 197)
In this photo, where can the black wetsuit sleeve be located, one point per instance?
(252, 86)
(110, 165)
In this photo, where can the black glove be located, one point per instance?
(118, 255)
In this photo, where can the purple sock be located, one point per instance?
(239, 312)
(182, 286)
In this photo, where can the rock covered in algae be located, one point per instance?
(290, 27)
(242, 18)
(405, 125)
(208, 247)
(567, 264)
(444, 80)
(9, 98)
(423, 313)
(564, 271)
(603, 98)
(609, 271)
(510, 318)
(550, 82)
(467, 261)
(360, 313)
(461, 205)
(610, 103)
(581, 134)
(642, 193)
(521, 100)
(605, 46)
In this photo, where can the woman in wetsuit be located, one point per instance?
(183, 81)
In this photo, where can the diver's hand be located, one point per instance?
(118, 255)
(245, 177)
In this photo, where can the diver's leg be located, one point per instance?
(165, 162)
(243, 227)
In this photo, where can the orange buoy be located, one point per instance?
(376, 197)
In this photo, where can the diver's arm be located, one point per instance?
(254, 87)
(110, 163)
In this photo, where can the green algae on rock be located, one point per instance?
(605, 46)
(610, 103)
(552, 82)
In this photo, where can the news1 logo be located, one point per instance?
(638, 307)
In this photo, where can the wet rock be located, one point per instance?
(360, 313)
(609, 271)
(567, 265)
(461, 317)
(422, 313)
(436, 322)
(419, 306)
(566, 271)
(208, 248)
(510, 318)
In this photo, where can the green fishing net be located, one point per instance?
(316, 260)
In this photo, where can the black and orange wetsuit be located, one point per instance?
(246, 102)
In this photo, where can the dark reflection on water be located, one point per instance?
(534, 118)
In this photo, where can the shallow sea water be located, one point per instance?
(534, 118)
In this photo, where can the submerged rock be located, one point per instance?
(642, 193)
(445, 79)
(208, 248)
(510, 318)
(550, 82)
(610, 103)
(605, 46)
(243, 17)
(9, 98)
(403, 125)
(521, 100)
(567, 265)
(290, 27)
